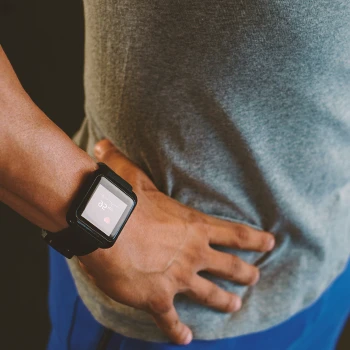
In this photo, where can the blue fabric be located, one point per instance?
(317, 327)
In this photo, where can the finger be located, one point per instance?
(106, 152)
(230, 234)
(209, 294)
(171, 325)
(231, 267)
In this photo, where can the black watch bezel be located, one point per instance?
(74, 218)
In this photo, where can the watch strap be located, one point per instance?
(71, 241)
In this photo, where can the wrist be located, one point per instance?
(96, 215)
(74, 181)
(42, 170)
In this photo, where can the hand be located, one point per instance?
(163, 247)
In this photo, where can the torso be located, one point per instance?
(241, 110)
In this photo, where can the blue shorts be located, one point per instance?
(315, 328)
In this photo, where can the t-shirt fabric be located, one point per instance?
(240, 109)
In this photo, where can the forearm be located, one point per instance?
(40, 167)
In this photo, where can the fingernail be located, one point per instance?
(97, 150)
(270, 243)
(256, 279)
(238, 304)
(188, 339)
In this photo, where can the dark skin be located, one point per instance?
(162, 247)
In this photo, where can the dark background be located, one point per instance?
(44, 42)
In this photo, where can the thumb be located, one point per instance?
(103, 149)
(107, 153)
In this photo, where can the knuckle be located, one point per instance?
(242, 233)
(192, 287)
(196, 222)
(179, 275)
(160, 305)
(183, 279)
(196, 256)
(202, 254)
(235, 266)
(191, 257)
(191, 217)
(172, 325)
(209, 298)
(160, 300)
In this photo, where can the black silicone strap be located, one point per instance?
(71, 241)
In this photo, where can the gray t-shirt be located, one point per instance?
(240, 109)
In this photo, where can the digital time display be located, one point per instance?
(104, 209)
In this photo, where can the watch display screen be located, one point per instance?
(107, 208)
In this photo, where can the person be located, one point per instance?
(231, 122)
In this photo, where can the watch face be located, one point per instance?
(107, 208)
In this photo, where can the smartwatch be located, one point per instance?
(96, 216)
